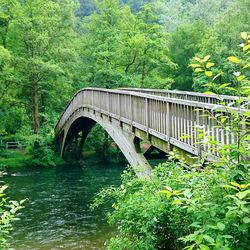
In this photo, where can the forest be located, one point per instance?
(49, 49)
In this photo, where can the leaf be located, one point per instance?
(243, 194)
(246, 66)
(230, 88)
(246, 220)
(208, 73)
(228, 186)
(189, 247)
(221, 226)
(185, 137)
(206, 58)
(216, 76)
(240, 78)
(194, 65)
(224, 85)
(2, 188)
(209, 93)
(208, 239)
(226, 236)
(177, 202)
(234, 59)
(204, 247)
(223, 119)
(235, 184)
(246, 47)
(209, 65)
(197, 59)
(198, 70)
(198, 239)
(167, 192)
(243, 35)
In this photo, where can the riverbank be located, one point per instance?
(11, 159)
(14, 159)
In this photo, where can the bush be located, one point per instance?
(178, 208)
(8, 209)
(43, 152)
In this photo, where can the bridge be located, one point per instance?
(161, 118)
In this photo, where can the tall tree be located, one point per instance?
(107, 32)
(184, 43)
(42, 40)
(122, 49)
(154, 62)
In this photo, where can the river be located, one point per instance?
(57, 213)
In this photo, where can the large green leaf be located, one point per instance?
(234, 59)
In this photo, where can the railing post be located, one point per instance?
(119, 108)
(92, 98)
(109, 104)
(168, 126)
(198, 141)
(147, 118)
(131, 112)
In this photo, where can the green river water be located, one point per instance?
(57, 213)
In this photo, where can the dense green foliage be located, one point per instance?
(178, 208)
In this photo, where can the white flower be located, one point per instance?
(237, 73)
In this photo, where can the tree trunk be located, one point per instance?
(36, 118)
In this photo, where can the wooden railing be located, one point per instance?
(167, 118)
(191, 96)
(13, 145)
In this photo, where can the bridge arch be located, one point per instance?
(85, 120)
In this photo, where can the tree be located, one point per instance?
(41, 37)
(106, 33)
(121, 49)
(185, 42)
(154, 62)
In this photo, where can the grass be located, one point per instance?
(13, 158)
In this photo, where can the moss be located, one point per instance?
(14, 158)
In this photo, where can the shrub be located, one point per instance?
(43, 151)
(178, 208)
(8, 209)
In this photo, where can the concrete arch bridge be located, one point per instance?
(158, 117)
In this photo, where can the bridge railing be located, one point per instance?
(169, 119)
(191, 96)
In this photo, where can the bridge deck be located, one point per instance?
(171, 116)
